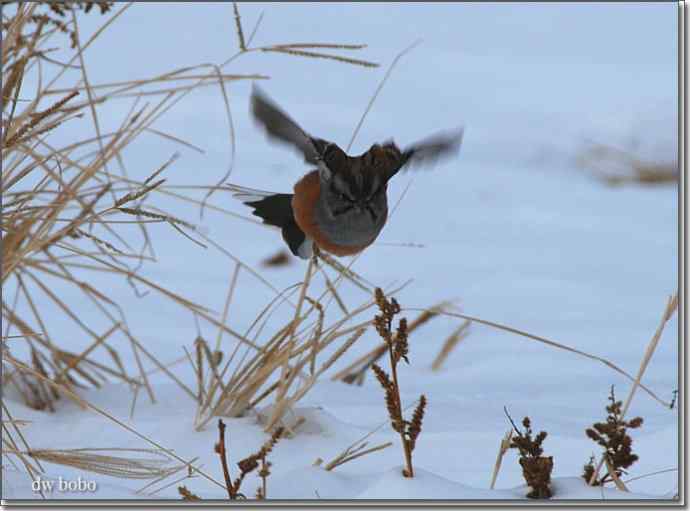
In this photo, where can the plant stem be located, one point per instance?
(406, 446)
(224, 460)
(263, 476)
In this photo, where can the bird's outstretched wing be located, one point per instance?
(428, 151)
(279, 126)
(423, 153)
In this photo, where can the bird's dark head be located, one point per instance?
(354, 184)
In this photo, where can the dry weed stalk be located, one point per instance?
(397, 346)
(355, 372)
(449, 345)
(353, 452)
(299, 49)
(91, 460)
(613, 436)
(502, 450)
(536, 469)
(246, 465)
(186, 494)
(560, 346)
(11, 448)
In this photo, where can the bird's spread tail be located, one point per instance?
(276, 209)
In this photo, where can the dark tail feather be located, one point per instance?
(277, 210)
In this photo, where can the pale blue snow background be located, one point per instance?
(511, 228)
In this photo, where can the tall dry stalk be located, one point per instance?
(397, 347)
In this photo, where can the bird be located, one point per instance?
(341, 205)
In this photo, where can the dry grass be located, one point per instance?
(502, 450)
(356, 371)
(132, 466)
(561, 346)
(669, 311)
(72, 210)
(285, 366)
(65, 207)
(64, 214)
(457, 336)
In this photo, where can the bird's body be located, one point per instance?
(342, 205)
(343, 232)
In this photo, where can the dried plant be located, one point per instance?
(669, 311)
(398, 348)
(12, 442)
(186, 494)
(536, 469)
(353, 452)
(502, 450)
(53, 17)
(355, 372)
(92, 460)
(613, 436)
(458, 335)
(246, 465)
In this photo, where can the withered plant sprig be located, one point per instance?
(186, 494)
(536, 469)
(398, 348)
(613, 436)
(246, 465)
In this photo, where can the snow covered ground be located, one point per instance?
(512, 230)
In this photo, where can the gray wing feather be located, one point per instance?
(279, 126)
(433, 148)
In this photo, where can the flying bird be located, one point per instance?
(342, 205)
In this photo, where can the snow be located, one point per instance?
(512, 230)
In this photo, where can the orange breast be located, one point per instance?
(307, 191)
